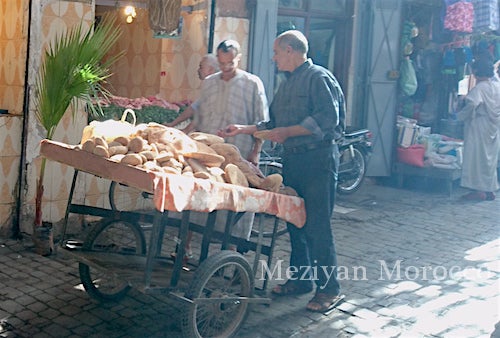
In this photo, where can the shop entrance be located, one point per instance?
(327, 25)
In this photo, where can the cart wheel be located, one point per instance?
(226, 274)
(125, 198)
(113, 236)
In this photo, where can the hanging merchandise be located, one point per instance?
(449, 64)
(468, 54)
(410, 31)
(459, 16)
(408, 76)
(459, 61)
(465, 84)
(408, 79)
(165, 18)
(486, 16)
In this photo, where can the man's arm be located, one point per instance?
(235, 129)
(186, 114)
(190, 127)
(253, 157)
(279, 134)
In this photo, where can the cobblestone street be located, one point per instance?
(413, 262)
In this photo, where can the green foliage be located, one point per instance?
(143, 115)
(73, 68)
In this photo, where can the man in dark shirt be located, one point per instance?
(307, 115)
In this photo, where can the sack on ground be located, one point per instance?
(412, 155)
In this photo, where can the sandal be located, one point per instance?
(187, 256)
(323, 302)
(474, 196)
(490, 196)
(292, 287)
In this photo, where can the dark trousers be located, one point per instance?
(313, 174)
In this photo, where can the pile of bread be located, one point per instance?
(156, 147)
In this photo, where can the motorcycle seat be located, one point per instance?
(349, 132)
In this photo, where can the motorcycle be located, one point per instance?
(355, 148)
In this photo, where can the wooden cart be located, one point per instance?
(116, 255)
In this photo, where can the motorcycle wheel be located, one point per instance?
(352, 170)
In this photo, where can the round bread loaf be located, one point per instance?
(207, 159)
(234, 175)
(206, 138)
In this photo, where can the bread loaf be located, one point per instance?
(234, 175)
(132, 159)
(206, 138)
(207, 159)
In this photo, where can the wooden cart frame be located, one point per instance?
(116, 255)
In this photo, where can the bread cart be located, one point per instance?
(116, 255)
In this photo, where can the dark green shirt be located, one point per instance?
(310, 96)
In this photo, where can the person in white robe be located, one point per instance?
(481, 117)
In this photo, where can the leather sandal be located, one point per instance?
(474, 196)
(292, 287)
(187, 256)
(323, 302)
(490, 196)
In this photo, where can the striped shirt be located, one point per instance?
(241, 100)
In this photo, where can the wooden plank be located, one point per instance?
(131, 268)
(98, 166)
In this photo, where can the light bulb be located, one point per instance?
(129, 19)
(130, 11)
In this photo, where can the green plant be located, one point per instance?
(73, 71)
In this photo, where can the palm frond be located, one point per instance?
(73, 68)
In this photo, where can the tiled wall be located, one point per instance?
(152, 66)
(13, 42)
(10, 128)
(136, 74)
(168, 67)
(55, 16)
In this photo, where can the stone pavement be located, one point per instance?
(413, 262)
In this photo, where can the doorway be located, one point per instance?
(327, 24)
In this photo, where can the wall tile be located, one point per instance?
(146, 56)
(10, 131)
(6, 212)
(9, 173)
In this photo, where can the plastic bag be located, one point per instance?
(110, 129)
(408, 79)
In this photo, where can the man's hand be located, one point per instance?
(254, 155)
(280, 134)
(235, 129)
